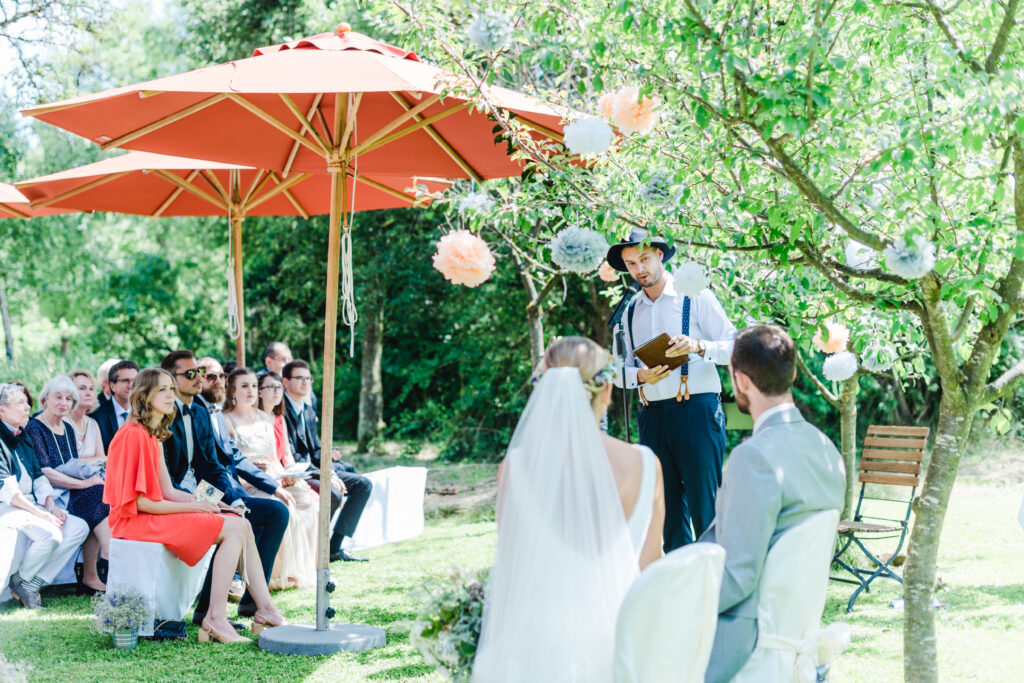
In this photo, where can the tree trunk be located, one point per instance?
(848, 444)
(602, 311)
(920, 652)
(8, 336)
(534, 314)
(371, 397)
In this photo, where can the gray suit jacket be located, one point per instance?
(785, 472)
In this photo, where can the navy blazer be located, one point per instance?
(305, 442)
(231, 458)
(205, 462)
(106, 418)
(21, 448)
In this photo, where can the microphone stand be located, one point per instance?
(619, 342)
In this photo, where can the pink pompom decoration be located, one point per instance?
(606, 105)
(838, 337)
(463, 258)
(633, 114)
(607, 273)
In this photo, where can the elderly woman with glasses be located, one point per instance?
(27, 504)
(79, 484)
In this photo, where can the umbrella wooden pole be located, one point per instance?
(237, 216)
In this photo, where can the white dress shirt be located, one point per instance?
(121, 412)
(771, 411)
(189, 480)
(708, 323)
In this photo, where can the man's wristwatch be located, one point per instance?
(700, 348)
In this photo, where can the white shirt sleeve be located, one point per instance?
(631, 364)
(42, 490)
(717, 327)
(9, 489)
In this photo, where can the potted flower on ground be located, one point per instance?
(121, 611)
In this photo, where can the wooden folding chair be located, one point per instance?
(891, 465)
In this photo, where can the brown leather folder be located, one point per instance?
(653, 353)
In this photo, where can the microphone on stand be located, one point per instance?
(631, 289)
(618, 341)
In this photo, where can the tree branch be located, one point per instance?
(999, 46)
(818, 384)
(947, 30)
(1004, 385)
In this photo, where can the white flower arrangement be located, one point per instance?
(476, 202)
(589, 136)
(910, 259)
(877, 358)
(860, 256)
(579, 250)
(447, 629)
(840, 366)
(491, 31)
(690, 278)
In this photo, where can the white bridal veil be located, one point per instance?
(564, 558)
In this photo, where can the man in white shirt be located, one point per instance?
(682, 419)
(112, 414)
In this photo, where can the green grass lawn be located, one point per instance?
(981, 632)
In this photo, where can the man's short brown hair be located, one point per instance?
(171, 359)
(767, 355)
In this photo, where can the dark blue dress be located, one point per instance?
(53, 451)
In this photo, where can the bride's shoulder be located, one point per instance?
(623, 449)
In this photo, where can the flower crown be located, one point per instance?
(600, 379)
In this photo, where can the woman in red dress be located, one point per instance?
(145, 506)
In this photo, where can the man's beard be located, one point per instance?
(215, 394)
(742, 401)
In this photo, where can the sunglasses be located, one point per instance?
(215, 376)
(191, 374)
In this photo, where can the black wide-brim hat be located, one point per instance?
(636, 238)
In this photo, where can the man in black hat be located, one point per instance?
(682, 419)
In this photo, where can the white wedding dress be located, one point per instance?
(566, 554)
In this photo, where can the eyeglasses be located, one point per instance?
(126, 380)
(304, 380)
(191, 373)
(272, 387)
(215, 376)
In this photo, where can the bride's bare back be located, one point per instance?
(627, 468)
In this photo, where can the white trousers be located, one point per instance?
(49, 548)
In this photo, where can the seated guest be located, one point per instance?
(192, 454)
(785, 472)
(253, 432)
(275, 357)
(79, 485)
(102, 376)
(87, 431)
(27, 504)
(213, 392)
(304, 438)
(112, 414)
(145, 506)
(272, 403)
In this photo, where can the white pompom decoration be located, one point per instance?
(840, 366)
(910, 259)
(589, 136)
(877, 358)
(491, 31)
(476, 202)
(860, 256)
(690, 278)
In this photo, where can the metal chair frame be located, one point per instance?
(882, 445)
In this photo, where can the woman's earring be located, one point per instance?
(234, 400)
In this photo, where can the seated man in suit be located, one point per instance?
(112, 414)
(103, 377)
(787, 471)
(304, 439)
(192, 455)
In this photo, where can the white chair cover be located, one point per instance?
(394, 511)
(790, 643)
(1020, 515)
(169, 585)
(667, 622)
(9, 550)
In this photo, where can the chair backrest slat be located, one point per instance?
(879, 466)
(889, 454)
(893, 442)
(892, 430)
(892, 455)
(894, 479)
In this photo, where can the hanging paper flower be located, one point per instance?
(579, 250)
(910, 259)
(690, 278)
(634, 114)
(588, 136)
(491, 31)
(860, 256)
(607, 273)
(838, 338)
(658, 190)
(877, 358)
(606, 105)
(476, 202)
(840, 366)
(463, 258)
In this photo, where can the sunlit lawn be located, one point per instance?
(981, 632)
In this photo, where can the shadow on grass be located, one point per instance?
(401, 673)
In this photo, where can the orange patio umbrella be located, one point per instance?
(13, 204)
(340, 102)
(157, 185)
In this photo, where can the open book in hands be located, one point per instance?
(298, 470)
(207, 492)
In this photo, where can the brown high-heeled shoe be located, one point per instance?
(207, 633)
(260, 622)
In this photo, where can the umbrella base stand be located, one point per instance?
(304, 639)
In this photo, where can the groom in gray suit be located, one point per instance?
(785, 472)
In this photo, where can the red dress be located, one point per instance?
(279, 437)
(132, 470)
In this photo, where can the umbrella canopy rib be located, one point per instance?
(175, 193)
(273, 121)
(78, 190)
(441, 142)
(160, 123)
(365, 147)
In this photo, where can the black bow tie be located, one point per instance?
(186, 410)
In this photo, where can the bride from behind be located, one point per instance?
(579, 514)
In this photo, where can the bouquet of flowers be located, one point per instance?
(448, 627)
(121, 608)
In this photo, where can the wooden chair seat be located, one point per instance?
(864, 527)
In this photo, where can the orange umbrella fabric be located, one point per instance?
(14, 204)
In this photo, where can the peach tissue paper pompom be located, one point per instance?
(464, 259)
(606, 105)
(838, 337)
(607, 273)
(633, 114)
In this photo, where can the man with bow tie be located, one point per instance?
(112, 414)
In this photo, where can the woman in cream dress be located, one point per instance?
(253, 432)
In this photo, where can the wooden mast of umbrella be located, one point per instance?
(158, 185)
(335, 87)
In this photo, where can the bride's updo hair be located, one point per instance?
(582, 353)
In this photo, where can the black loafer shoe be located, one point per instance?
(346, 556)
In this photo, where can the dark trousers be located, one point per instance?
(359, 488)
(269, 519)
(689, 439)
